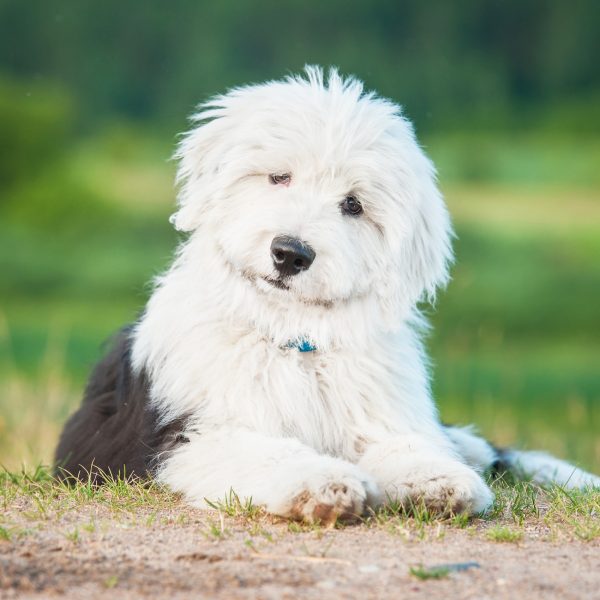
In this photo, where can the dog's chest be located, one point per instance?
(326, 400)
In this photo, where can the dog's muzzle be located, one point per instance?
(291, 255)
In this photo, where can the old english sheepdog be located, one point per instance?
(279, 355)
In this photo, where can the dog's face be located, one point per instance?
(315, 192)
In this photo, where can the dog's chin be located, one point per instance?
(281, 290)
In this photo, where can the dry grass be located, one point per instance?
(139, 538)
(34, 499)
(32, 416)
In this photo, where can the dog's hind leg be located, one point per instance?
(539, 467)
(473, 449)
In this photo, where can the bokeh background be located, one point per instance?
(505, 96)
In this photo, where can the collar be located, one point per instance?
(301, 344)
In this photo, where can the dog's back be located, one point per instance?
(115, 431)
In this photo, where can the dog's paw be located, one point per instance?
(329, 496)
(444, 487)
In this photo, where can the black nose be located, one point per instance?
(290, 255)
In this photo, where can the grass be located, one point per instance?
(111, 582)
(424, 573)
(518, 506)
(216, 529)
(31, 415)
(45, 495)
(502, 533)
(232, 506)
(441, 571)
(33, 501)
(514, 345)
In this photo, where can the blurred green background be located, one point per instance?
(505, 96)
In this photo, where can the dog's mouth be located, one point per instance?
(280, 284)
(262, 283)
(259, 281)
(277, 282)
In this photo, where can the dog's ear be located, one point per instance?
(424, 254)
(199, 154)
(428, 253)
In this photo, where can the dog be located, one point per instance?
(280, 355)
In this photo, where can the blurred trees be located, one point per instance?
(35, 120)
(69, 68)
(468, 62)
(507, 93)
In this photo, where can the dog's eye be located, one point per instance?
(351, 206)
(280, 178)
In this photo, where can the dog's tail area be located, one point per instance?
(531, 465)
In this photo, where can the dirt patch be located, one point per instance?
(93, 552)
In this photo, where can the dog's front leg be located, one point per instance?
(285, 476)
(413, 470)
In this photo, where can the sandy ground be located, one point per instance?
(92, 552)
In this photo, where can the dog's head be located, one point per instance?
(315, 192)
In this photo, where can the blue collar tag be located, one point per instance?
(302, 345)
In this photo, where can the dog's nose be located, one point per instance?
(291, 255)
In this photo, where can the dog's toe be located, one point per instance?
(345, 499)
(449, 488)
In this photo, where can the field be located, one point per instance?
(514, 349)
(514, 344)
(505, 97)
(141, 541)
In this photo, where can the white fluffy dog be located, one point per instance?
(279, 356)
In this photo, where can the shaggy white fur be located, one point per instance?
(307, 434)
